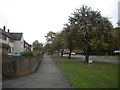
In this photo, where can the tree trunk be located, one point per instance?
(52, 53)
(87, 55)
(62, 53)
(69, 57)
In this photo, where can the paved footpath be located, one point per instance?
(47, 75)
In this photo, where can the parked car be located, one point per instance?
(116, 51)
(14, 54)
(73, 53)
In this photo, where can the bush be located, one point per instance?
(26, 53)
(8, 74)
(29, 53)
(35, 53)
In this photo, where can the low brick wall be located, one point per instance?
(20, 65)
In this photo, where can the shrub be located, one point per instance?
(35, 53)
(29, 53)
(26, 53)
(9, 74)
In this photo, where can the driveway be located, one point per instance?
(109, 59)
(47, 75)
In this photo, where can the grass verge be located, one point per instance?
(82, 75)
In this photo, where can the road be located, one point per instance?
(109, 59)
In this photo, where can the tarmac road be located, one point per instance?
(109, 59)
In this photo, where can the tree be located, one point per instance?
(37, 46)
(93, 29)
(116, 34)
(69, 37)
(50, 36)
(56, 44)
(62, 42)
(47, 48)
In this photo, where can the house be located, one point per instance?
(12, 42)
(6, 42)
(18, 42)
(27, 47)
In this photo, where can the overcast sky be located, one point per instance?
(35, 18)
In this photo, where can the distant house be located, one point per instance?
(27, 47)
(18, 42)
(10, 42)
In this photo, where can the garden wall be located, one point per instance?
(20, 65)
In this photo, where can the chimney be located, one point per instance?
(8, 30)
(4, 28)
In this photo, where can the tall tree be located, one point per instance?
(50, 36)
(93, 29)
(70, 36)
(56, 44)
(37, 46)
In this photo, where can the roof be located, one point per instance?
(17, 36)
(27, 43)
(5, 33)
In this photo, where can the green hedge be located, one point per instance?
(30, 53)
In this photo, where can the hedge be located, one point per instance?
(30, 53)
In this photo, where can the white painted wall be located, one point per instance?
(3, 41)
(19, 45)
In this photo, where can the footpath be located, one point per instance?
(47, 75)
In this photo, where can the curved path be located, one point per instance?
(47, 75)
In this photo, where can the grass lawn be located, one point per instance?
(82, 75)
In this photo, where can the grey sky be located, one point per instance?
(35, 18)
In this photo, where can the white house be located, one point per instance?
(10, 42)
(18, 42)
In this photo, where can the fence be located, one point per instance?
(20, 65)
